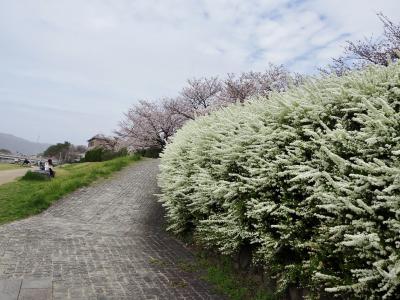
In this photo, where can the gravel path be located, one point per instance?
(101, 242)
(11, 175)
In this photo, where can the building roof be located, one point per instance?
(98, 137)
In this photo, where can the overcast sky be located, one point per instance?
(69, 69)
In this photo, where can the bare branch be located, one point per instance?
(361, 53)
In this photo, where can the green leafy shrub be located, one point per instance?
(100, 154)
(308, 179)
(150, 152)
(93, 155)
(108, 155)
(34, 176)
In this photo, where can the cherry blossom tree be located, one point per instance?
(148, 125)
(179, 106)
(197, 98)
(368, 51)
(257, 84)
(201, 93)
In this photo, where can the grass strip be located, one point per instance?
(229, 281)
(24, 198)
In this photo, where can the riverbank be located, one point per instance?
(23, 198)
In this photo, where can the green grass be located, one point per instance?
(5, 166)
(230, 282)
(24, 198)
(219, 271)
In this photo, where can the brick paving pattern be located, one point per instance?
(101, 242)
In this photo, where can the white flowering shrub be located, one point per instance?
(309, 179)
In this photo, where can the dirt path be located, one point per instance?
(102, 242)
(11, 175)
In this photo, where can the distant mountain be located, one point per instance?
(16, 144)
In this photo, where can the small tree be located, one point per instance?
(59, 150)
(66, 152)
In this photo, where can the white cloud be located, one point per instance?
(101, 56)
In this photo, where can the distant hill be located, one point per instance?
(16, 144)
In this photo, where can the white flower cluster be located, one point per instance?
(308, 179)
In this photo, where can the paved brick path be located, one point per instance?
(101, 242)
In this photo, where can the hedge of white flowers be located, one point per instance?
(308, 179)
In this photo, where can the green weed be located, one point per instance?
(220, 272)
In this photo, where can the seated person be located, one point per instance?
(49, 167)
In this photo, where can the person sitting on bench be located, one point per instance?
(49, 167)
